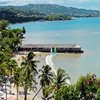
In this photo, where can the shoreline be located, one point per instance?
(41, 21)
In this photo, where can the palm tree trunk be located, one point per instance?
(17, 93)
(5, 89)
(25, 93)
(17, 49)
(10, 85)
(37, 93)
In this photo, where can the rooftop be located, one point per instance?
(51, 46)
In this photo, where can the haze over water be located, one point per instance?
(83, 31)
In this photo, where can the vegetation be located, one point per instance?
(87, 88)
(57, 17)
(59, 80)
(45, 80)
(9, 40)
(29, 72)
(9, 69)
(17, 79)
(18, 17)
(46, 76)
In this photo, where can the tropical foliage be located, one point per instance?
(87, 88)
(9, 42)
(29, 72)
(17, 79)
(45, 77)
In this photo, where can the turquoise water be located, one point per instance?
(83, 31)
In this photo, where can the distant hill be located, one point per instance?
(33, 12)
(56, 9)
(13, 15)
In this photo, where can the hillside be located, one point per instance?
(49, 9)
(17, 16)
(34, 12)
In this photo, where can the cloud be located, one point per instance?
(4, 2)
(39, 1)
(19, 2)
(87, 4)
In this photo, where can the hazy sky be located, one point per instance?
(87, 4)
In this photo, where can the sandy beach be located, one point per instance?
(21, 94)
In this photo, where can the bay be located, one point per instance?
(82, 31)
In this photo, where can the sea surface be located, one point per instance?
(82, 31)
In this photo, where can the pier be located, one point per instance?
(59, 48)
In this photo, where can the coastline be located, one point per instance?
(40, 21)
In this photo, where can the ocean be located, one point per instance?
(82, 31)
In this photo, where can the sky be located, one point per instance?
(86, 4)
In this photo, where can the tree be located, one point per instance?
(98, 94)
(59, 80)
(12, 65)
(3, 24)
(10, 37)
(4, 74)
(9, 41)
(17, 79)
(23, 30)
(17, 39)
(46, 94)
(29, 71)
(45, 78)
(66, 93)
(88, 86)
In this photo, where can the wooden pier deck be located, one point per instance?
(60, 48)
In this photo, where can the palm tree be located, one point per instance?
(17, 79)
(17, 39)
(59, 80)
(45, 77)
(4, 74)
(46, 94)
(29, 72)
(12, 64)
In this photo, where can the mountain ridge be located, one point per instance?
(56, 9)
(33, 12)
